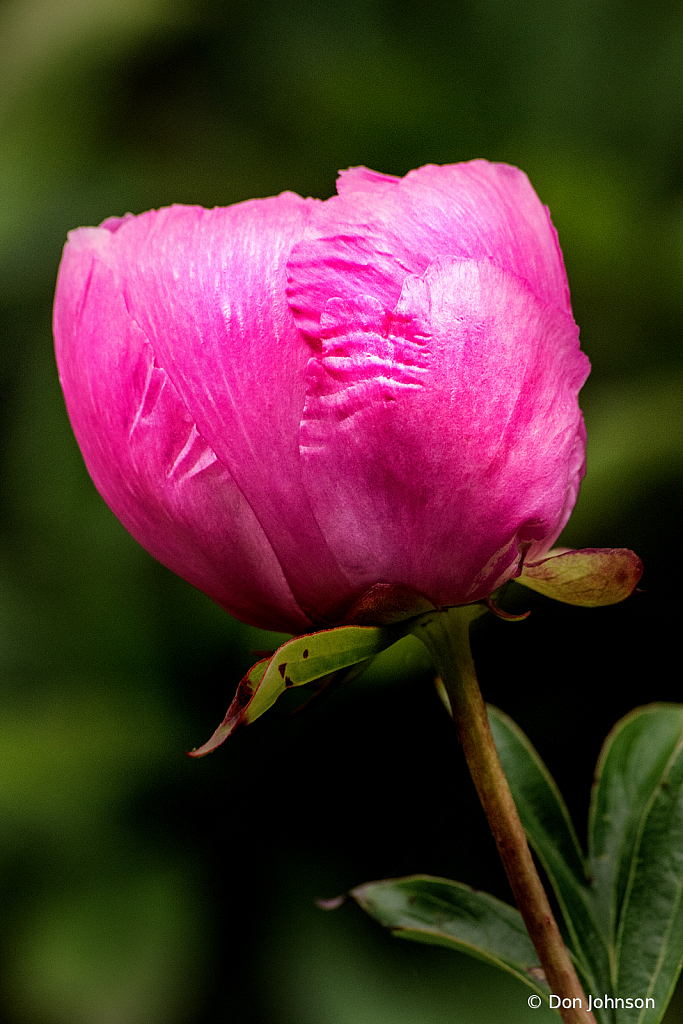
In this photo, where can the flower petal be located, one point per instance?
(441, 438)
(207, 287)
(143, 448)
(380, 229)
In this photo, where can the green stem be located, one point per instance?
(446, 636)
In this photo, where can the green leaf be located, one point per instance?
(445, 913)
(636, 850)
(590, 577)
(550, 831)
(306, 659)
(624, 922)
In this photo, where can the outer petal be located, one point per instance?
(442, 437)
(380, 229)
(143, 449)
(207, 288)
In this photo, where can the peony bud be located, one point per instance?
(306, 408)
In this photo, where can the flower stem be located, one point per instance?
(446, 636)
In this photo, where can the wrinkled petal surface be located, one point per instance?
(380, 229)
(442, 438)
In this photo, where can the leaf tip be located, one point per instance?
(333, 903)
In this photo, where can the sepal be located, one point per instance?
(590, 577)
(385, 604)
(313, 657)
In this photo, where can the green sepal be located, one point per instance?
(444, 913)
(305, 659)
(590, 577)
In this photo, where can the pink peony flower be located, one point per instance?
(291, 402)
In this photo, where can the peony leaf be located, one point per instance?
(444, 913)
(590, 577)
(623, 911)
(636, 852)
(305, 659)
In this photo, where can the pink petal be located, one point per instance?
(443, 436)
(360, 179)
(380, 229)
(207, 288)
(143, 448)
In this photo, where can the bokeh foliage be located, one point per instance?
(141, 887)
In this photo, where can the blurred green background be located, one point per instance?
(139, 886)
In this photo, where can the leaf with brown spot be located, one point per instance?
(298, 662)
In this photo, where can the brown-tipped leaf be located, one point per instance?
(236, 713)
(302, 660)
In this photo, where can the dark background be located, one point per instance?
(139, 886)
